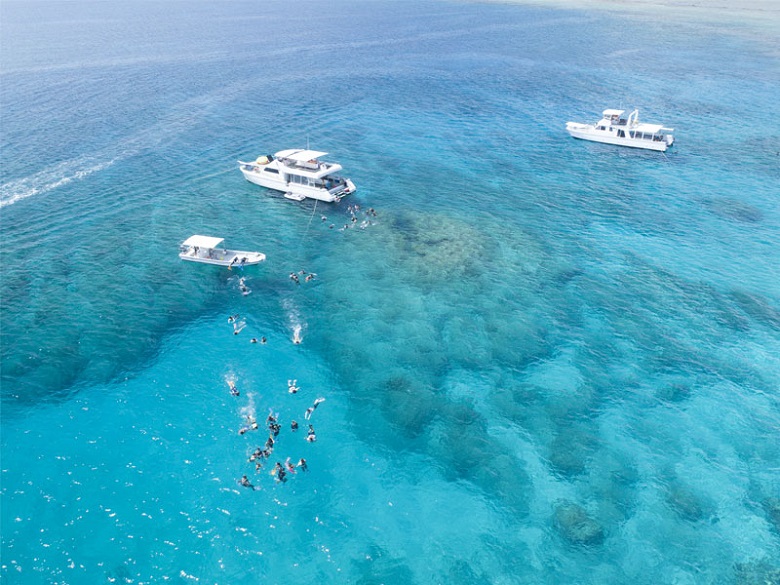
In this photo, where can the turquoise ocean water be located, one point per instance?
(544, 361)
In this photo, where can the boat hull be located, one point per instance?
(588, 132)
(278, 184)
(230, 258)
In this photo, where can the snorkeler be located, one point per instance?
(279, 472)
(312, 408)
(244, 481)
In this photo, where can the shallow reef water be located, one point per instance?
(542, 359)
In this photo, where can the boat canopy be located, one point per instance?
(203, 241)
(651, 128)
(300, 155)
(610, 113)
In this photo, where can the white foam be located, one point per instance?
(49, 179)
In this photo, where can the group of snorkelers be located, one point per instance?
(239, 323)
(307, 276)
(354, 219)
(261, 455)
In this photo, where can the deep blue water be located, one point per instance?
(545, 360)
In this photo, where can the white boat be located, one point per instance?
(614, 128)
(299, 174)
(207, 250)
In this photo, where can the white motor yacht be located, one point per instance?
(614, 128)
(207, 250)
(299, 174)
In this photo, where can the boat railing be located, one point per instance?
(311, 165)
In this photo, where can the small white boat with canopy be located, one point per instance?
(207, 250)
(299, 173)
(614, 128)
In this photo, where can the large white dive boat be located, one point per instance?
(614, 128)
(299, 174)
(206, 249)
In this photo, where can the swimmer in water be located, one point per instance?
(291, 386)
(294, 425)
(310, 435)
(294, 278)
(244, 481)
(263, 340)
(233, 390)
(290, 467)
(253, 340)
(233, 318)
(297, 335)
(312, 408)
(302, 464)
(279, 472)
